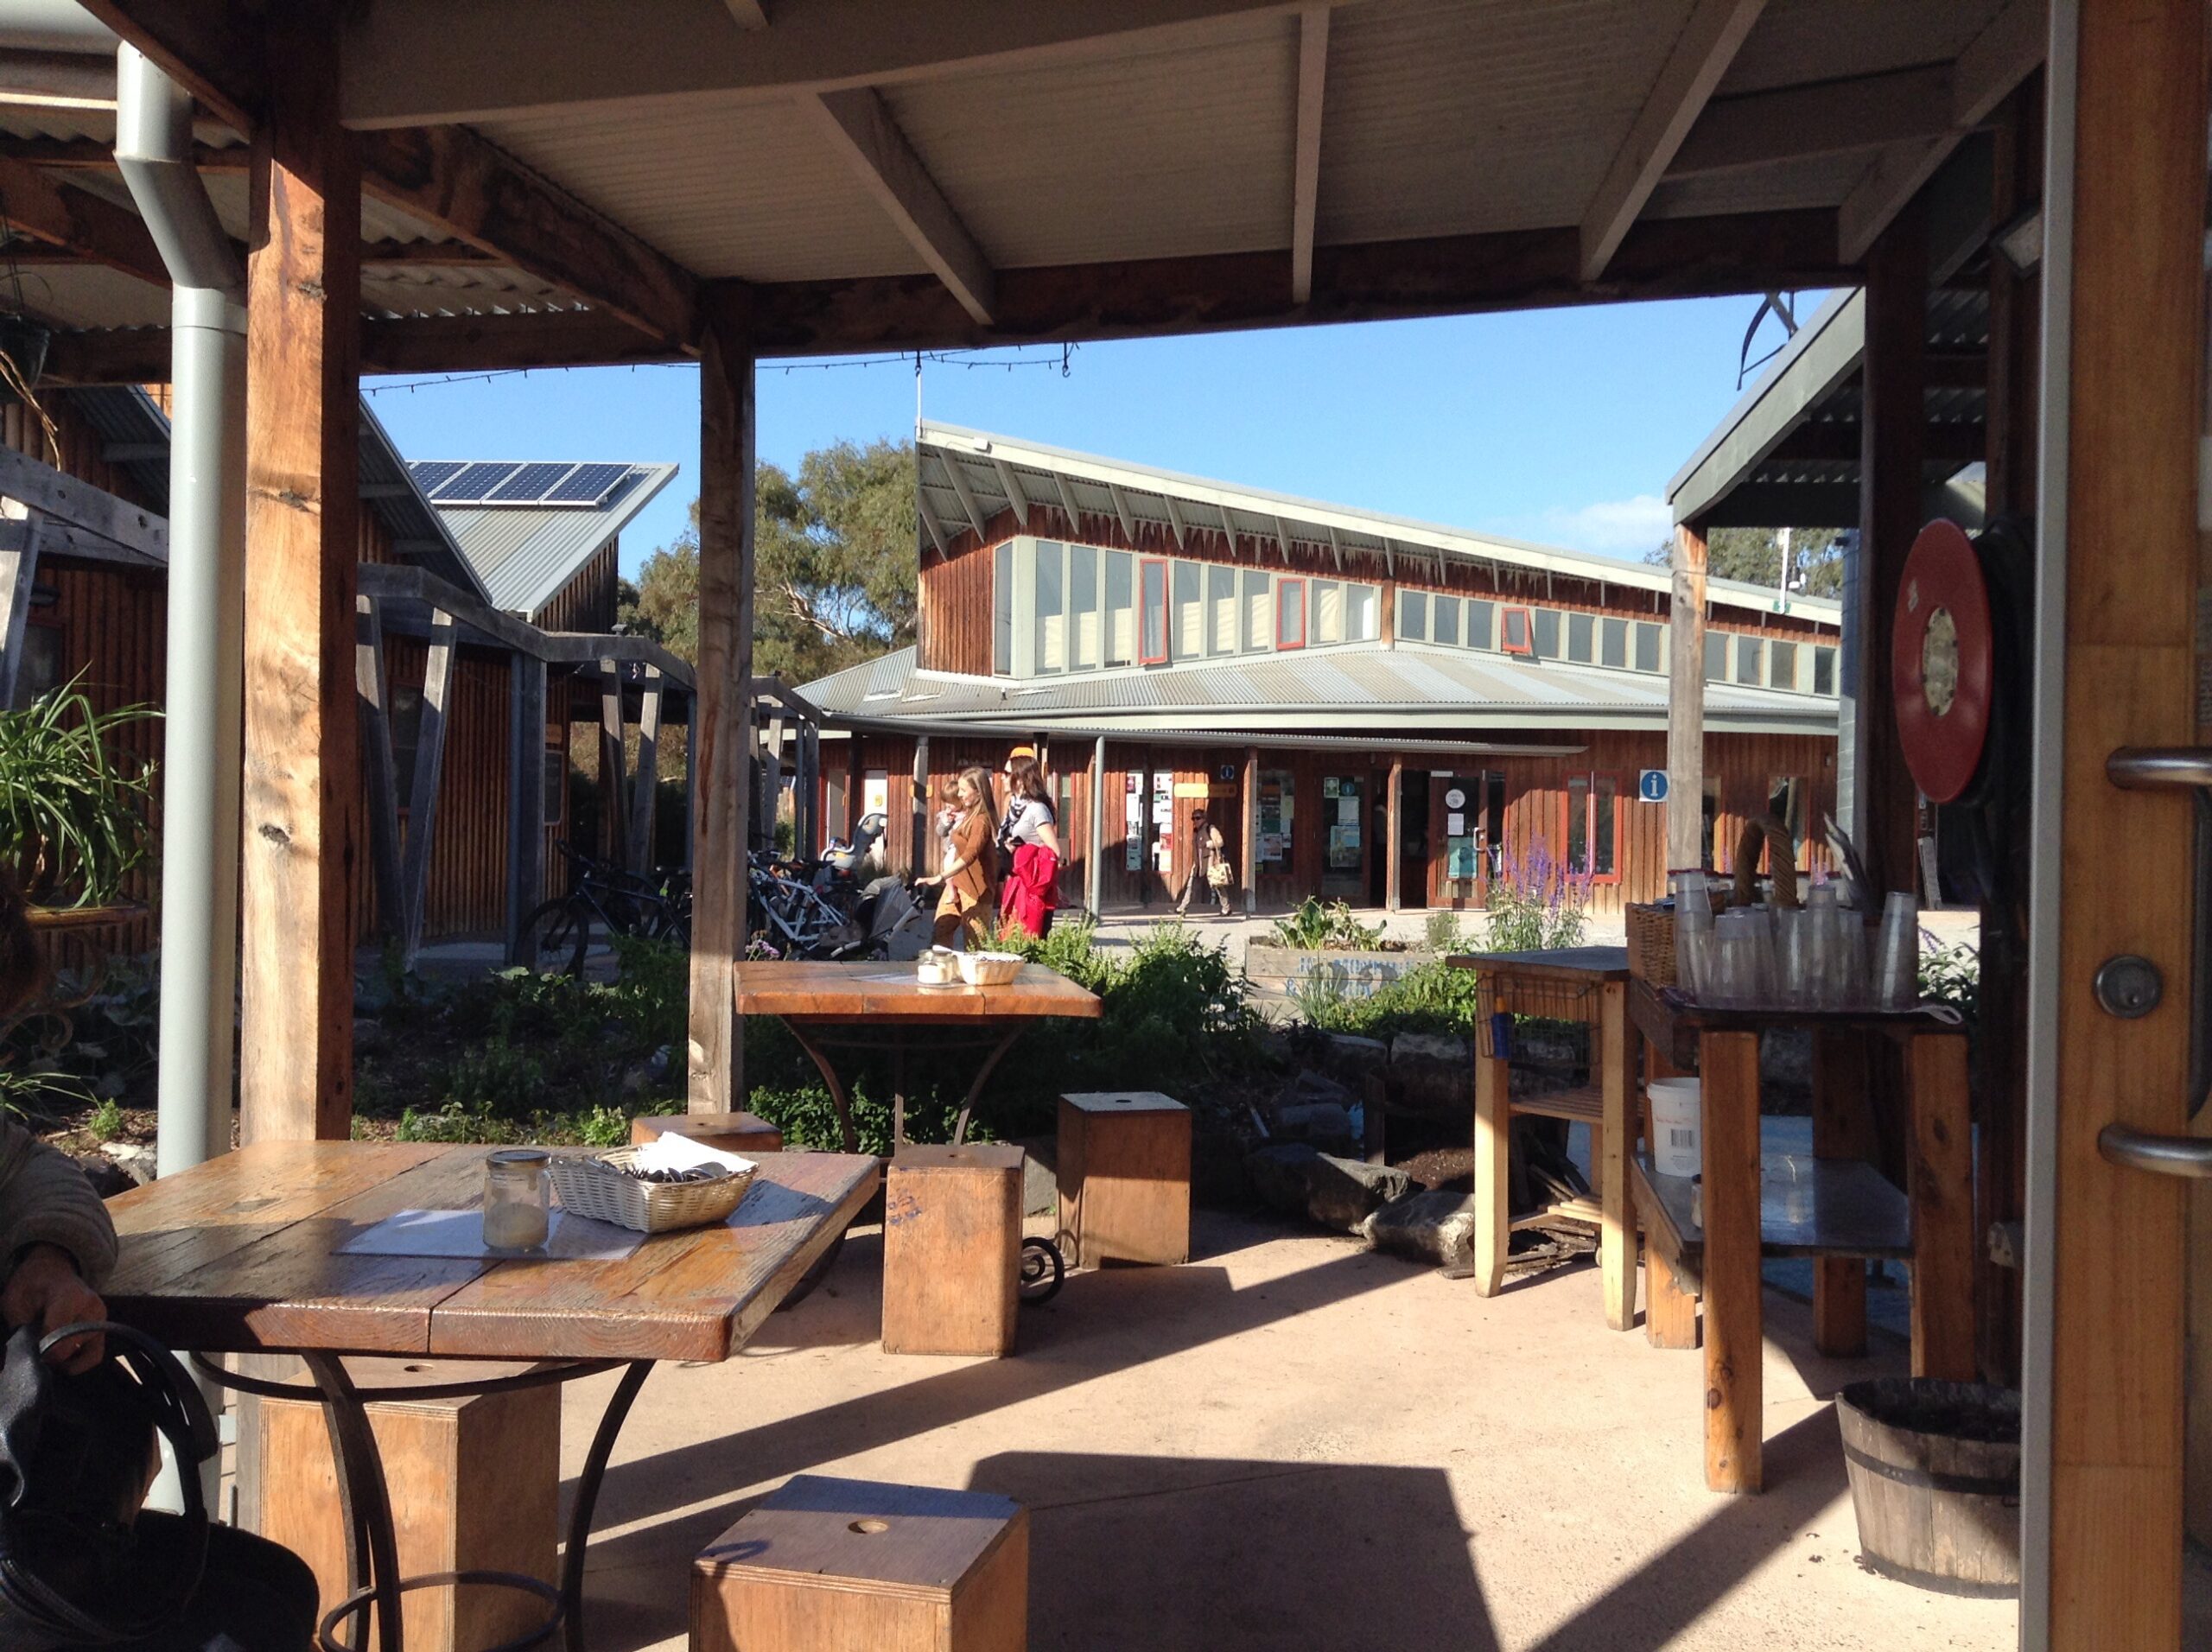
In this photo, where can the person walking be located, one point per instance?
(966, 911)
(1028, 835)
(1209, 866)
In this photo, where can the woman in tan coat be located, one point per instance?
(968, 907)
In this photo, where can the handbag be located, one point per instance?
(75, 1459)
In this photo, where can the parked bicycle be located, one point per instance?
(605, 900)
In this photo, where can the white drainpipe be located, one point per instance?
(207, 614)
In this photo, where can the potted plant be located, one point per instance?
(74, 822)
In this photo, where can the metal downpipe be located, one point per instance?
(201, 754)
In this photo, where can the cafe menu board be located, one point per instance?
(1133, 824)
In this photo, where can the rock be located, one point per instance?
(1278, 1175)
(108, 1179)
(1432, 1074)
(1352, 1059)
(1314, 1121)
(1338, 1193)
(134, 1161)
(1435, 1227)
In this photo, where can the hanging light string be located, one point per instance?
(1062, 358)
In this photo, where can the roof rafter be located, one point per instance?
(1068, 504)
(928, 514)
(966, 495)
(858, 122)
(1306, 186)
(1012, 484)
(1175, 520)
(76, 221)
(1994, 61)
(1122, 510)
(1701, 55)
(1761, 129)
(1282, 539)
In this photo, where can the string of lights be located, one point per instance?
(979, 360)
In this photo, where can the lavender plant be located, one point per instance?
(1536, 902)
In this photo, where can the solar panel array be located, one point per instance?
(508, 481)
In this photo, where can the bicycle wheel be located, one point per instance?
(557, 936)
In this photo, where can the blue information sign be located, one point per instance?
(1651, 785)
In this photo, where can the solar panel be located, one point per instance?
(428, 473)
(475, 482)
(528, 484)
(588, 486)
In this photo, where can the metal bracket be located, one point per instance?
(2156, 768)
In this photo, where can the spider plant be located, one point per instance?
(73, 815)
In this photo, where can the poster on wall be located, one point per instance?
(1455, 825)
(1459, 857)
(1275, 824)
(1132, 827)
(875, 794)
(1347, 810)
(1163, 799)
(1343, 848)
(1328, 785)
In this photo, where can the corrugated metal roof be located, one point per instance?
(1379, 687)
(523, 555)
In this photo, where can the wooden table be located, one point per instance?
(882, 1007)
(239, 1255)
(1850, 1223)
(1583, 983)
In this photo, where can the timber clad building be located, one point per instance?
(1370, 709)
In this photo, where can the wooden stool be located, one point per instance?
(739, 1132)
(474, 1481)
(829, 1566)
(951, 1249)
(1125, 1177)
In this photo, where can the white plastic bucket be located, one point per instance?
(1676, 1106)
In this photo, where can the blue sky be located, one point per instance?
(1559, 425)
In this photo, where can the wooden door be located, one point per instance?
(1458, 838)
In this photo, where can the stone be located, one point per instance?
(1339, 1193)
(1432, 1074)
(134, 1161)
(1278, 1175)
(1435, 1227)
(108, 1179)
(1352, 1059)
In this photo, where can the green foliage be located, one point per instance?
(1428, 998)
(1442, 934)
(1536, 903)
(107, 1122)
(496, 1077)
(1951, 974)
(1312, 926)
(36, 1094)
(1753, 556)
(807, 1118)
(72, 812)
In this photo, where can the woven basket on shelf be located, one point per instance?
(596, 1186)
(1652, 939)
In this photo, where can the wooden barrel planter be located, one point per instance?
(1935, 1471)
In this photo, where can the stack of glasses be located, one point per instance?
(1817, 957)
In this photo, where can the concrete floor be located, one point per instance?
(1290, 1443)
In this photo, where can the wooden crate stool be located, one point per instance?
(475, 1482)
(1125, 1177)
(833, 1565)
(951, 1249)
(739, 1132)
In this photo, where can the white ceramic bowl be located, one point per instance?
(989, 968)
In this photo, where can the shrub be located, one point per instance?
(1536, 903)
(72, 815)
(1950, 975)
(1428, 998)
(1442, 934)
(1313, 927)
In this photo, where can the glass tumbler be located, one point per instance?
(517, 1199)
(1896, 954)
(1744, 968)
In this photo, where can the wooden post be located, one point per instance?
(1615, 1140)
(525, 797)
(1941, 1187)
(1392, 854)
(1250, 854)
(1096, 871)
(691, 777)
(302, 742)
(1892, 444)
(721, 752)
(917, 846)
(772, 782)
(1493, 1153)
(429, 767)
(1843, 1128)
(613, 791)
(1686, 702)
(644, 791)
(810, 790)
(380, 782)
(1670, 1307)
(18, 574)
(1734, 1317)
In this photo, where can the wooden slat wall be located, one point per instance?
(955, 619)
(586, 601)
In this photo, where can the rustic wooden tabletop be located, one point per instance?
(856, 992)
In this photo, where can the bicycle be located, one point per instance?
(557, 933)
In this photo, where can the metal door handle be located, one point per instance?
(2143, 768)
(2165, 1155)
(2149, 768)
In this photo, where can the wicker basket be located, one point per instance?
(989, 968)
(1652, 939)
(598, 1186)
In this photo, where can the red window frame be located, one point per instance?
(1505, 643)
(1282, 642)
(1145, 656)
(1584, 791)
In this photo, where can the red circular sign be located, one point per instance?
(1942, 666)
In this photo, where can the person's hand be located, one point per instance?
(927, 883)
(45, 1291)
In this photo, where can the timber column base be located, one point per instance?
(951, 1249)
(738, 1133)
(474, 1481)
(1125, 1173)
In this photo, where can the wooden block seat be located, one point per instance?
(827, 1565)
(1124, 1175)
(740, 1133)
(474, 1481)
(951, 1249)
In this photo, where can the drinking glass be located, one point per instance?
(1896, 954)
(517, 1199)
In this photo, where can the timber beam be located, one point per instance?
(77, 221)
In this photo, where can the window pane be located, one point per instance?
(1580, 629)
(1153, 602)
(1578, 825)
(1221, 610)
(1120, 608)
(1360, 612)
(1824, 670)
(1601, 827)
(1747, 659)
(1082, 605)
(1480, 627)
(1447, 620)
(1328, 611)
(1050, 617)
(1190, 612)
(1259, 612)
(1548, 633)
(1647, 646)
(1413, 616)
(1002, 609)
(1516, 622)
(1290, 613)
(1716, 657)
(1782, 665)
(1613, 644)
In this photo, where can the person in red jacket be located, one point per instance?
(1028, 833)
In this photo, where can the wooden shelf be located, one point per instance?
(1585, 1209)
(1585, 1103)
(1808, 1207)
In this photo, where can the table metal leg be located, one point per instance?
(982, 1078)
(587, 1484)
(838, 1098)
(364, 1506)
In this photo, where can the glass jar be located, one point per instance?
(517, 1199)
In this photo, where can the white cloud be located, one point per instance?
(1626, 528)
